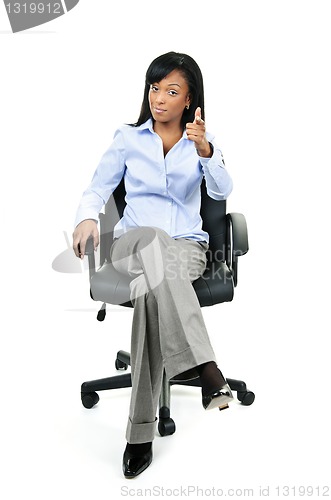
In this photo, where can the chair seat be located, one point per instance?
(112, 287)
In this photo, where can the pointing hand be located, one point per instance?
(196, 132)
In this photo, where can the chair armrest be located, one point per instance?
(237, 242)
(89, 251)
(105, 243)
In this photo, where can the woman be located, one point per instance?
(160, 242)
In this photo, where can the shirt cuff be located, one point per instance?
(218, 182)
(215, 160)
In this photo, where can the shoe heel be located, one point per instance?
(219, 399)
(224, 407)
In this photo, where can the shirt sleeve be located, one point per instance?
(106, 178)
(218, 181)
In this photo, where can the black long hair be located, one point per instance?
(159, 69)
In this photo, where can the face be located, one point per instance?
(168, 98)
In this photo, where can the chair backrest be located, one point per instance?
(213, 214)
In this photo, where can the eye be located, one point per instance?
(154, 88)
(172, 92)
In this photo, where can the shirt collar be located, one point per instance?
(148, 125)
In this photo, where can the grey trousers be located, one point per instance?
(168, 331)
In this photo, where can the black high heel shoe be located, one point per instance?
(134, 465)
(219, 399)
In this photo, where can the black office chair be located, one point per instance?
(228, 241)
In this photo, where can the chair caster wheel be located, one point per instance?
(90, 399)
(120, 365)
(246, 397)
(101, 315)
(166, 426)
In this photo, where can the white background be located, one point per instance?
(65, 87)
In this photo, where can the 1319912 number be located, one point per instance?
(34, 8)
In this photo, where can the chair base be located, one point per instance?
(166, 425)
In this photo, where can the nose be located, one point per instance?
(160, 98)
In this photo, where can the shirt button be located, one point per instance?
(169, 202)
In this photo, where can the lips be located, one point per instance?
(160, 111)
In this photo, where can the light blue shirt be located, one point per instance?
(161, 191)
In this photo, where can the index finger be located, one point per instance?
(197, 116)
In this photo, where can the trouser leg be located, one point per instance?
(168, 329)
(146, 365)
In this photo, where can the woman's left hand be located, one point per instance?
(196, 132)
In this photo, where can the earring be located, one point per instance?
(187, 106)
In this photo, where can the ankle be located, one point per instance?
(211, 378)
(139, 448)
